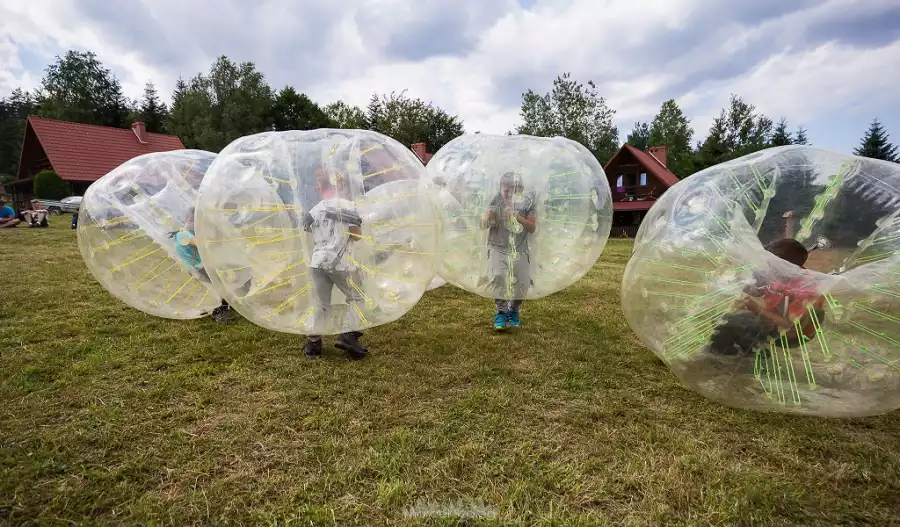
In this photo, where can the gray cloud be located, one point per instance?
(358, 46)
(859, 28)
(693, 54)
(440, 35)
(282, 40)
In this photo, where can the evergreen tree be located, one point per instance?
(296, 111)
(153, 112)
(14, 111)
(639, 136)
(800, 137)
(781, 136)
(673, 129)
(372, 120)
(739, 130)
(875, 144)
(231, 101)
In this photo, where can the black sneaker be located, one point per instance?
(313, 348)
(222, 314)
(348, 343)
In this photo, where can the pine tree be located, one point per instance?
(875, 144)
(152, 111)
(672, 128)
(639, 136)
(373, 114)
(800, 137)
(781, 136)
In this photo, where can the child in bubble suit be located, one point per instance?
(783, 302)
(510, 220)
(186, 247)
(335, 224)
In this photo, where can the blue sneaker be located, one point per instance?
(500, 321)
(512, 319)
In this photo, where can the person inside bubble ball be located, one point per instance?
(334, 223)
(510, 220)
(783, 308)
(186, 247)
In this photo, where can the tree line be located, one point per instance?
(575, 110)
(233, 99)
(209, 110)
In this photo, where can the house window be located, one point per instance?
(620, 181)
(643, 179)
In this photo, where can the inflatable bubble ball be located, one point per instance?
(771, 282)
(524, 216)
(318, 232)
(436, 282)
(135, 232)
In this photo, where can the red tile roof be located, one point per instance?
(663, 174)
(84, 152)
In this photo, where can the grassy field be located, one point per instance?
(111, 417)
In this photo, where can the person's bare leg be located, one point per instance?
(6, 224)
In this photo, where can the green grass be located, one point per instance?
(112, 417)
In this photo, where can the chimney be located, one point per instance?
(420, 149)
(788, 224)
(140, 131)
(659, 152)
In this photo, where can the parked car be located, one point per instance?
(69, 204)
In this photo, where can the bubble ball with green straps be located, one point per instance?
(524, 216)
(135, 232)
(772, 282)
(318, 232)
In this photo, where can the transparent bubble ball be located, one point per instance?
(718, 288)
(127, 226)
(436, 282)
(318, 232)
(524, 216)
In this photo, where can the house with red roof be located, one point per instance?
(637, 179)
(421, 151)
(80, 153)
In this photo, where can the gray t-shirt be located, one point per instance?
(499, 236)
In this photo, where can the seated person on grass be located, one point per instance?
(37, 216)
(8, 216)
(784, 306)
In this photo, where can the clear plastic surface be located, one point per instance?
(135, 232)
(319, 232)
(771, 282)
(524, 216)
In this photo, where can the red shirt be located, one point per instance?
(788, 298)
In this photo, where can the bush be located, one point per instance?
(48, 185)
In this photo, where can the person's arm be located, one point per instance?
(754, 307)
(777, 319)
(528, 222)
(487, 218)
(186, 238)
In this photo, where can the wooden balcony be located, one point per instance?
(633, 193)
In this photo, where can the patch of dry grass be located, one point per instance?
(110, 416)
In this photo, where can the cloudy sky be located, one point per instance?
(831, 65)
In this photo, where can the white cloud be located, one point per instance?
(809, 84)
(639, 52)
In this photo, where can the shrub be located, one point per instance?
(48, 185)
